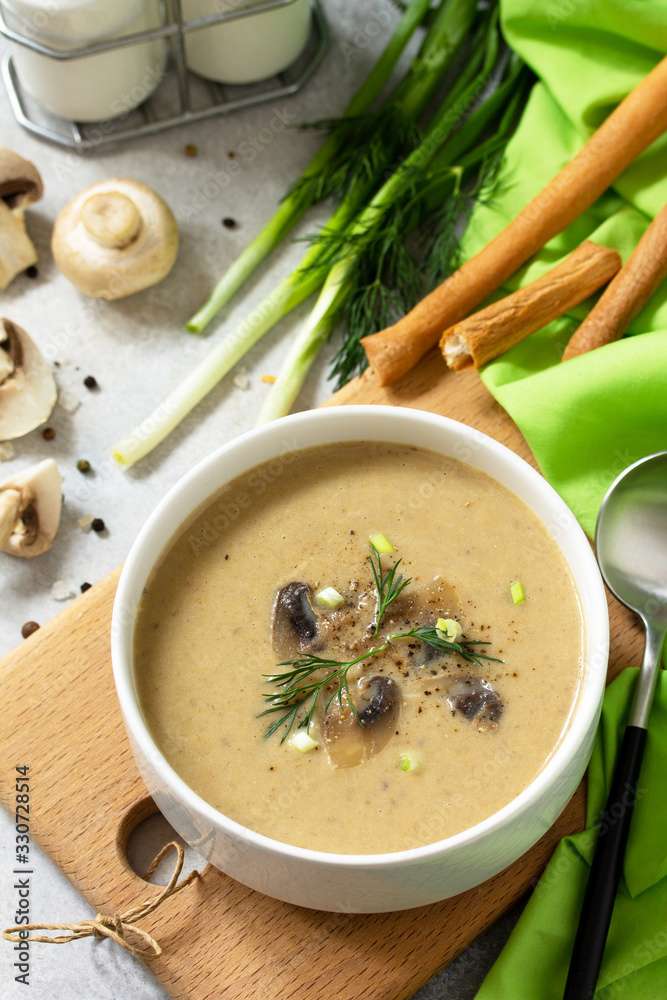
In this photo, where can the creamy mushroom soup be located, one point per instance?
(406, 625)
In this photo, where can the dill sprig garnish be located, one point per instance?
(389, 584)
(302, 685)
(467, 649)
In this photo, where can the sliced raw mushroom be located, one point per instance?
(27, 387)
(20, 186)
(30, 505)
(115, 238)
(350, 738)
(477, 700)
(294, 624)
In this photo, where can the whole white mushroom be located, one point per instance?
(115, 238)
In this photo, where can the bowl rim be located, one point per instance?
(583, 712)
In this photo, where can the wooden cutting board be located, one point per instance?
(221, 940)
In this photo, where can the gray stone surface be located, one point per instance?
(137, 350)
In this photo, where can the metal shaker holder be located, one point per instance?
(181, 97)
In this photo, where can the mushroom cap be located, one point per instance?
(115, 238)
(20, 180)
(27, 387)
(30, 506)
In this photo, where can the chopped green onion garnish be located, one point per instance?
(302, 740)
(408, 762)
(381, 543)
(517, 592)
(329, 597)
(449, 629)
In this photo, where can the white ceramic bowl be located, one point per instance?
(378, 882)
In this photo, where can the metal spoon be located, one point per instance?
(631, 540)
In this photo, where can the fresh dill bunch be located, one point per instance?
(417, 242)
(380, 247)
(473, 181)
(387, 280)
(389, 584)
(368, 146)
(412, 252)
(372, 305)
(440, 238)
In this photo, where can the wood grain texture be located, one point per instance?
(220, 939)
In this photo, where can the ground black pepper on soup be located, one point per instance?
(360, 648)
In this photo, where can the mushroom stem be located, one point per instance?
(10, 506)
(111, 219)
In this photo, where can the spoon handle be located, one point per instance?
(606, 869)
(613, 829)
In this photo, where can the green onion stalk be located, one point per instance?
(306, 191)
(318, 325)
(412, 95)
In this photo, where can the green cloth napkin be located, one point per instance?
(587, 419)
(534, 963)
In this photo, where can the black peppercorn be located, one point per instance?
(230, 223)
(85, 586)
(98, 525)
(90, 382)
(48, 433)
(83, 465)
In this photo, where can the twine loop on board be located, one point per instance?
(123, 928)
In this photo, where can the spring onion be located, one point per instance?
(381, 543)
(450, 25)
(517, 591)
(449, 628)
(329, 598)
(302, 741)
(408, 762)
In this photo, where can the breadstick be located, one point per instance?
(626, 295)
(629, 129)
(492, 331)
